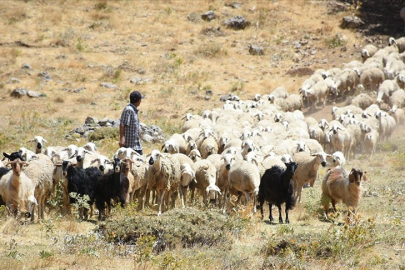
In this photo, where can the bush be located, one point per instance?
(104, 133)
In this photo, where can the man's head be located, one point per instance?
(134, 97)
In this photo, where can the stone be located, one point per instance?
(237, 23)
(256, 50)
(208, 16)
(33, 94)
(351, 22)
(19, 92)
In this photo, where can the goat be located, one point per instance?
(276, 187)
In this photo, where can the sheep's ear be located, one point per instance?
(6, 156)
(163, 146)
(94, 160)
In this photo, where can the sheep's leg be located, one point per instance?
(280, 217)
(161, 196)
(271, 214)
(183, 194)
(261, 208)
(226, 201)
(141, 201)
(287, 220)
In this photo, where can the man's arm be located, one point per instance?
(122, 136)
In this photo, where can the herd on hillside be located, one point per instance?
(247, 152)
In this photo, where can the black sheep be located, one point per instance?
(276, 187)
(83, 182)
(113, 185)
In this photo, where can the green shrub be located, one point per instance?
(104, 133)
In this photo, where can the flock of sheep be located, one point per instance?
(261, 149)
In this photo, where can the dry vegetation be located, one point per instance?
(81, 44)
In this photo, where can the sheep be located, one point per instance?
(141, 172)
(387, 124)
(103, 163)
(175, 144)
(317, 93)
(370, 142)
(368, 51)
(279, 92)
(346, 81)
(338, 185)
(71, 149)
(399, 115)
(394, 69)
(112, 185)
(41, 172)
(397, 99)
(206, 175)
(371, 79)
(341, 140)
(167, 177)
(337, 159)
(244, 177)
(398, 43)
(17, 189)
(276, 188)
(208, 147)
(362, 101)
(39, 142)
(307, 170)
(27, 154)
(293, 102)
(82, 182)
(124, 152)
(90, 146)
(194, 155)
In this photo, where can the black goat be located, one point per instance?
(112, 185)
(276, 187)
(13, 156)
(82, 182)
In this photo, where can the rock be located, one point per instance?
(15, 80)
(351, 22)
(108, 85)
(256, 50)
(235, 5)
(237, 23)
(208, 16)
(19, 92)
(33, 94)
(45, 76)
(91, 121)
(26, 66)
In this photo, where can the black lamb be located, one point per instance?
(82, 182)
(276, 187)
(112, 185)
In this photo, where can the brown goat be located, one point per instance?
(338, 185)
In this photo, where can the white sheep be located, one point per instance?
(41, 172)
(387, 124)
(368, 51)
(307, 170)
(362, 101)
(397, 99)
(141, 172)
(208, 147)
(123, 153)
(167, 177)
(195, 155)
(399, 43)
(371, 79)
(103, 163)
(370, 142)
(394, 69)
(175, 144)
(27, 154)
(341, 140)
(399, 115)
(90, 146)
(279, 92)
(206, 175)
(39, 142)
(17, 190)
(244, 177)
(337, 159)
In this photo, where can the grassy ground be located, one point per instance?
(81, 44)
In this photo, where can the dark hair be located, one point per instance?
(135, 96)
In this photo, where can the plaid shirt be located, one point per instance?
(129, 118)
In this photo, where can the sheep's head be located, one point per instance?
(321, 156)
(228, 160)
(355, 176)
(291, 167)
(154, 156)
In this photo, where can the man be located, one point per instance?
(129, 126)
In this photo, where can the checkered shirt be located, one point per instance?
(129, 118)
